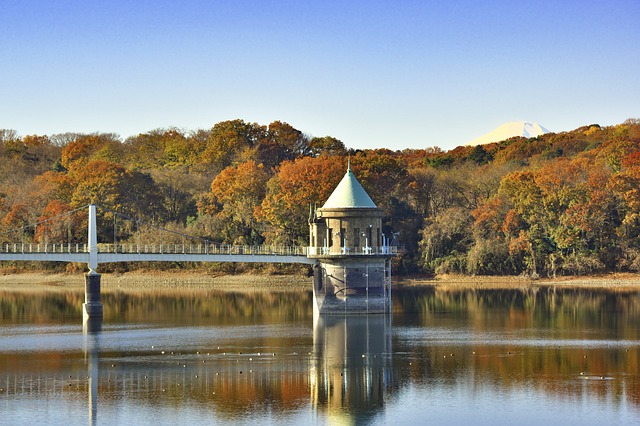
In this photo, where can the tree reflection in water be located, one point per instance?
(249, 356)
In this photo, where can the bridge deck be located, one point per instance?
(109, 253)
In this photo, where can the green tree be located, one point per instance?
(479, 155)
(326, 145)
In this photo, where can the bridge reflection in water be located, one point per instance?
(261, 357)
(350, 371)
(91, 346)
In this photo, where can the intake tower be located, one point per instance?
(353, 273)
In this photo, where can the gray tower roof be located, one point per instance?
(349, 194)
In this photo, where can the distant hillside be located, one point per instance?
(556, 204)
(509, 130)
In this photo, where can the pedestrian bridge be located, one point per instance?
(93, 253)
(376, 260)
(110, 253)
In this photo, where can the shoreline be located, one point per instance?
(153, 280)
(618, 281)
(195, 280)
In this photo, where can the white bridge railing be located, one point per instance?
(213, 249)
(217, 249)
(44, 248)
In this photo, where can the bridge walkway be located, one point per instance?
(109, 253)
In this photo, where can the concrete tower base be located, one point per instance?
(352, 285)
(92, 308)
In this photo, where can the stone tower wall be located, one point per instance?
(351, 285)
(353, 228)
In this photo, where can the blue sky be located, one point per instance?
(395, 74)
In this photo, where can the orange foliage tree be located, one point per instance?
(563, 210)
(292, 191)
(57, 225)
(236, 194)
(82, 148)
(227, 141)
(17, 217)
(627, 185)
(113, 186)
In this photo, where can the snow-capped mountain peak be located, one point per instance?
(509, 130)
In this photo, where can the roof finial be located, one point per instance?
(349, 163)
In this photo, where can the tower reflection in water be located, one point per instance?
(92, 328)
(349, 373)
(351, 370)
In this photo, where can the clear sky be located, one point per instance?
(395, 74)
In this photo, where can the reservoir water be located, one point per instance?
(484, 357)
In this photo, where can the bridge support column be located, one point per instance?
(92, 306)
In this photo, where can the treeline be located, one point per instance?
(558, 204)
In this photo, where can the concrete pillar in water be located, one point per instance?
(344, 285)
(92, 306)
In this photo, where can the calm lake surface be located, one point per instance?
(534, 356)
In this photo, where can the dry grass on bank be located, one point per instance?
(154, 280)
(194, 280)
(616, 280)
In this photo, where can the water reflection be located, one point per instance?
(352, 366)
(349, 373)
(91, 330)
(248, 357)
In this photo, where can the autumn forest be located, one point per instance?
(559, 204)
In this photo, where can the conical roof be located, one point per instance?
(349, 194)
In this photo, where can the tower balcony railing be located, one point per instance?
(353, 251)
